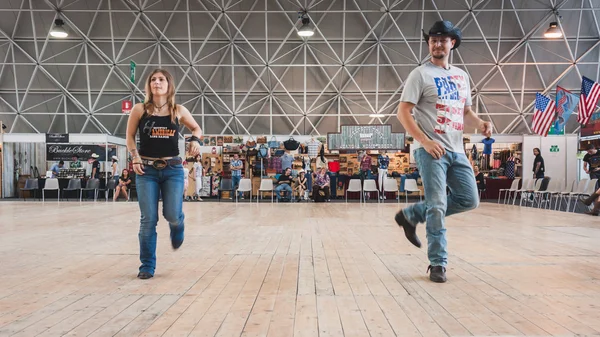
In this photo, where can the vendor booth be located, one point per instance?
(38, 156)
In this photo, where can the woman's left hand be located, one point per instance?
(194, 149)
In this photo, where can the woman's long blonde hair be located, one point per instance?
(149, 102)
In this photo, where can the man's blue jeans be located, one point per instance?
(235, 182)
(283, 187)
(169, 181)
(454, 171)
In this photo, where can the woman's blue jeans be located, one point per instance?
(454, 171)
(169, 183)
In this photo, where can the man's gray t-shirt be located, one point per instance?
(439, 96)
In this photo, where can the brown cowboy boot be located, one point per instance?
(596, 210)
(588, 201)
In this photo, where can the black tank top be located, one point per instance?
(158, 136)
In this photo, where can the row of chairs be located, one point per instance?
(556, 189)
(32, 185)
(267, 185)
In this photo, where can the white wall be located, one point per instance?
(560, 165)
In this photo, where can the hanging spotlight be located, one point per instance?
(553, 32)
(305, 30)
(58, 30)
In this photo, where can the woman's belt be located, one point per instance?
(160, 164)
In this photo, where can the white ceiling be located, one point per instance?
(241, 68)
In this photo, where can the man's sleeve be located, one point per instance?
(413, 87)
(469, 102)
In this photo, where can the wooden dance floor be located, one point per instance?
(295, 270)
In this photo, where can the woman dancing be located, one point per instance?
(157, 163)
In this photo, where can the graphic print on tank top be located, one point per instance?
(452, 96)
(153, 131)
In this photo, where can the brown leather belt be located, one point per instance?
(160, 164)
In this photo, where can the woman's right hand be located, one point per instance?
(138, 166)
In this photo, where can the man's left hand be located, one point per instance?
(486, 128)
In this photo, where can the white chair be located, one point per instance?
(581, 188)
(589, 190)
(527, 185)
(391, 185)
(354, 186)
(245, 185)
(371, 186)
(554, 185)
(266, 185)
(410, 185)
(536, 187)
(565, 191)
(51, 185)
(513, 187)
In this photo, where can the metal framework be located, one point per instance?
(241, 68)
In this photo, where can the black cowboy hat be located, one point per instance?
(444, 28)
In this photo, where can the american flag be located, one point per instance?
(590, 92)
(543, 115)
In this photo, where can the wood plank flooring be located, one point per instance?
(305, 269)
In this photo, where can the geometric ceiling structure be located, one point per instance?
(241, 68)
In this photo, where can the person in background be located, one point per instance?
(591, 162)
(95, 166)
(124, 181)
(538, 164)
(114, 167)
(198, 176)
(186, 180)
(56, 168)
(283, 183)
(75, 163)
(301, 186)
(479, 179)
(236, 166)
(321, 185)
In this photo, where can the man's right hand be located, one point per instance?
(434, 148)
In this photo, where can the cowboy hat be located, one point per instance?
(444, 28)
(115, 158)
(95, 155)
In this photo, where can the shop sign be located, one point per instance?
(126, 106)
(57, 138)
(365, 137)
(56, 152)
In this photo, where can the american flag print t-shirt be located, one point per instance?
(440, 97)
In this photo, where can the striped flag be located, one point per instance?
(590, 92)
(543, 115)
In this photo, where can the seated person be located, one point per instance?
(321, 185)
(479, 178)
(124, 181)
(283, 183)
(301, 186)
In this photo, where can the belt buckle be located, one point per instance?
(159, 164)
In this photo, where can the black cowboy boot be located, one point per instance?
(596, 210)
(588, 201)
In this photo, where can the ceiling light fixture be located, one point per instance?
(305, 30)
(58, 30)
(553, 32)
(376, 115)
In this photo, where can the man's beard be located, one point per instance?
(438, 56)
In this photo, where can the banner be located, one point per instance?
(566, 103)
(592, 128)
(365, 137)
(56, 152)
(57, 138)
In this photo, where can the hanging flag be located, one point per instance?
(590, 92)
(543, 115)
(566, 103)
